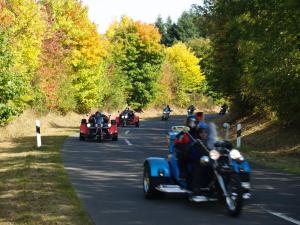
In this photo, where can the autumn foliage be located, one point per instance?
(53, 58)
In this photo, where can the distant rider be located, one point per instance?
(191, 109)
(101, 118)
(167, 109)
(224, 109)
(127, 112)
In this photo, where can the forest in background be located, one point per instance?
(244, 52)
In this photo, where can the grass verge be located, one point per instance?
(268, 144)
(34, 187)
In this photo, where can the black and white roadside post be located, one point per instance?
(38, 133)
(238, 135)
(226, 127)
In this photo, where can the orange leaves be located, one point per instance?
(147, 32)
(6, 16)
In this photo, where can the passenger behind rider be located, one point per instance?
(92, 120)
(182, 144)
(199, 117)
(201, 172)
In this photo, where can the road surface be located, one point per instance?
(108, 179)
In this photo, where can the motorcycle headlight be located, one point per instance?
(214, 154)
(126, 116)
(123, 116)
(88, 125)
(235, 154)
(204, 160)
(109, 125)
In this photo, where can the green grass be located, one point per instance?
(34, 187)
(267, 143)
(274, 149)
(286, 163)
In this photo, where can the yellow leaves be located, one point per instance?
(148, 34)
(23, 24)
(185, 66)
(80, 34)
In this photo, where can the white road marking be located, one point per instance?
(127, 141)
(281, 215)
(127, 131)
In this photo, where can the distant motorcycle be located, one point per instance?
(223, 109)
(126, 118)
(166, 115)
(190, 110)
(98, 131)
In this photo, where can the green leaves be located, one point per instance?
(256, 54)
(52, 58)
(11, 84)
(138, 55)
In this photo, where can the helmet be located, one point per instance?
(202, 130)
(202, 125)
(191, 122)
(199, 116)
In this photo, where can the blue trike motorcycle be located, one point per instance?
(230, 181)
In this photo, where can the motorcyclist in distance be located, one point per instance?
(191, 109)
(99, 117)
(167, 109)
(223, 109)
(128, 112)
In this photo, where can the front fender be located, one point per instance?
(158, 165)
(113, 129)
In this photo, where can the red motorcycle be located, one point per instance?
(126, 118)
(92, 129)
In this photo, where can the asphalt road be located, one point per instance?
(108, 179)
